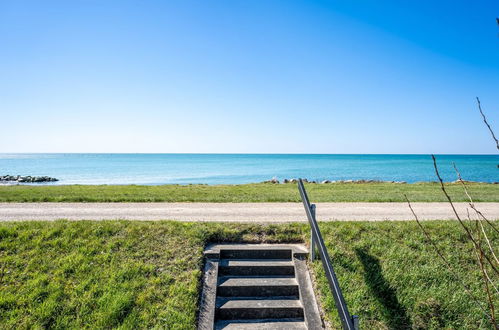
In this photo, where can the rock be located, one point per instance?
(285, 181)
(28, 178)
(325, 181)
(465, 181)
(293, 181)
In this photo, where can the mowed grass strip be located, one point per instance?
(259, 192)
(124, 274)
(109, 274)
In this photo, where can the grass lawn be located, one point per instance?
(129, 274)
(258, 192)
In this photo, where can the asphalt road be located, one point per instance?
(234, 212)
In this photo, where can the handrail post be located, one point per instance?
(312, 239)
(355, 321)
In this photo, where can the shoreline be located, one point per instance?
(58, 182)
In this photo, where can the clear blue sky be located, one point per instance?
(248, 76)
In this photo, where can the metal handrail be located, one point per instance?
(348, 322)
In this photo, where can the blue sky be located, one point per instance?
(248, 76)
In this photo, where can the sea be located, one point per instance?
(157, 169)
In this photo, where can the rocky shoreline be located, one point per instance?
(275, 181)
(44, 179)
(26, 179)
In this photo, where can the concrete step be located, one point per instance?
(261, 324)
(257, 287)
(258, 267)
(252, 286)
(276, 308)
(256, 254)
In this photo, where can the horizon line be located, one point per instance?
(245, 153)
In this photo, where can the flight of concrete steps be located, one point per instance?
(261, 287)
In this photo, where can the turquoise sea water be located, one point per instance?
(243, 168)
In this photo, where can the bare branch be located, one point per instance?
(488, 242)
(486, 283)
(445, 261)
(468, 233)
(472, 205)
(486, 123)
(484, 270)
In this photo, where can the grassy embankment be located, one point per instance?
(259, 192)
(147, 274)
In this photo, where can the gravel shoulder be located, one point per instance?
(235, 212)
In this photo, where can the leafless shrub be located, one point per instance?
(468, 232)
(449, 266)
(486, 258)
(475, 236)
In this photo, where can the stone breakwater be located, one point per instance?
(274, 180)
(27, 179)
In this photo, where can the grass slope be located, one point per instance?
(112, 274)
(259, 192)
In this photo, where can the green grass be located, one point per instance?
(259, 192)
(124, 274)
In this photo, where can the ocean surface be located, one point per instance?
(154, 169)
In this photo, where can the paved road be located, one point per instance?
(241, 212)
